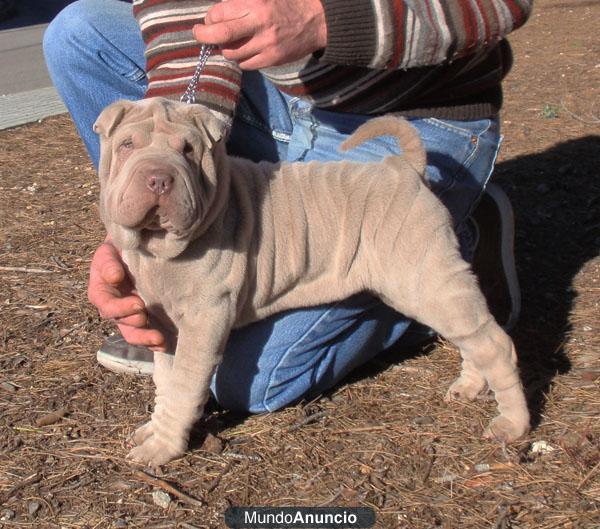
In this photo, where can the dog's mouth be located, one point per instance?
(155, 221)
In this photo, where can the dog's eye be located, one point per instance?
(126, 144)
(187, 148)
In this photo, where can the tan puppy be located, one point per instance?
(216, 242)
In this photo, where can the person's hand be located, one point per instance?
(111, 291)
(263, 33)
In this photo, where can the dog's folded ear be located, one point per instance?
(111, 116)
(206, 121)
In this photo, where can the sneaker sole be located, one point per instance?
(507, 241)
(129, 367)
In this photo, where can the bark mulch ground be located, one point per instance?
(383, 439)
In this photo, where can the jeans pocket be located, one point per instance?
(467, 129)
(318, 134)
(244, 112)
(460, 158)
(123, 66)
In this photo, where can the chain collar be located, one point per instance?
(190, 94)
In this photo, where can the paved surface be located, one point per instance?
(22, 60)
(26, 107)
(26, 92)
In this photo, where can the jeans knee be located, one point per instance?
(239, 399)
(255, 392)
(72, 25)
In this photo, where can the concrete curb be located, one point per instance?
(27, 107)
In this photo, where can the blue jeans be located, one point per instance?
(95, 56)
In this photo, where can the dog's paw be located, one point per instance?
(465, 389)
(154, 452)
(503, 429)
(141, 434)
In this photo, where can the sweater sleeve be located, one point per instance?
(172, 55)
(394, 34)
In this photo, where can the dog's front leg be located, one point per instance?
(182, 389)
(163, 362)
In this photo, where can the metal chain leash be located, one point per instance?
(190, 94)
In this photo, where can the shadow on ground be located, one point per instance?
(556, 196)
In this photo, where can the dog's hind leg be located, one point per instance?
(468, 385)
(489, 356)
(439, 290)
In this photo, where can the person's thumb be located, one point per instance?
(109, 264)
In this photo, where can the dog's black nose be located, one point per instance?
(159, 183)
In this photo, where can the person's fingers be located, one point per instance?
(109, 286)
(112, 272)
(223, 11)
(256, 62)
(242, 50)
(107, 265)
(109, 300)
(110, 306)
(146, 337)
(252, 63)
(225, 33)
(139, 320)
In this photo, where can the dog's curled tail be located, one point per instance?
(407, 136)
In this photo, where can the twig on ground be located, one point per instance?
(161, 483)
(59, 263)
(86, 480)
(307, 420)
(70, 331)
(594, 121)
(8, 386)
(333, 498)
(503, 520)
(215, 482)
(241, 457)
(30, 480)
(51, 418)
(428, 468)
(588, 476)
(26, 270)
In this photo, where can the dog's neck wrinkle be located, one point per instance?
(219, 200)
(244, 192)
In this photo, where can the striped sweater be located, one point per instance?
(425, 58)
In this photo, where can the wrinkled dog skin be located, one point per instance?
(216, 242)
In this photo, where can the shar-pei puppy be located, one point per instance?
(215, 242)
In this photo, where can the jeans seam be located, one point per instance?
(487, 179)
(253, 122)
(468, 160)
(444, 125)
(286, 354)
(466, 164)
(137, 78)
